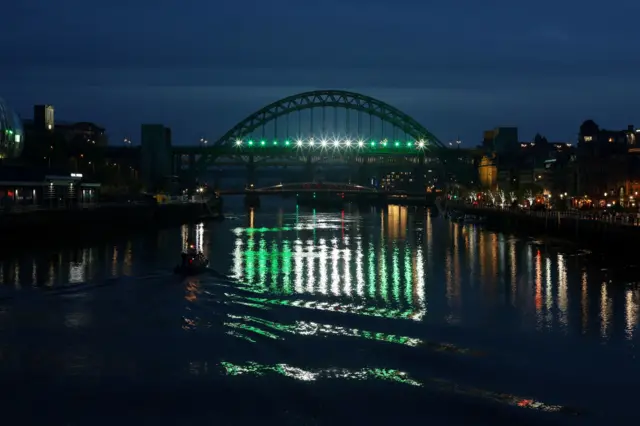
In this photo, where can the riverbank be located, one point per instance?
(607, 238)
(72, 226)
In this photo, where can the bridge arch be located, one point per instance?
(330, 98)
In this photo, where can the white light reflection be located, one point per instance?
(514, 272)
(538, 298)
(311, 266)
(299, 266)
(605, 310)
(184, 232)
(312, 270)
(200, 237)
(584, 303)
(562, 292)
(238, 260)
(631, 311)
(77, 269)
(420, 288)
(346, 269)
(335, 272)
(548, 303)
(359, 269)
(322, 268)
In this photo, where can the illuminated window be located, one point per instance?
(588, 138)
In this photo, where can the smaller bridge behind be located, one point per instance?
(303, 187)
(319, 188)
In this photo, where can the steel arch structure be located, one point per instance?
(330, 98)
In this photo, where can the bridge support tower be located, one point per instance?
(309, 169)
(251, 172)
(419, 173)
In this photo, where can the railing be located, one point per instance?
(627, 219)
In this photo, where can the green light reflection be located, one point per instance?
(275, 263)
(396, 272)
(393, 375)
(313, 375)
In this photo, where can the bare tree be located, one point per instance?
(512, 197)
(502, 197)
(492, 196)
(529, 196)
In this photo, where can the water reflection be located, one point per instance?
(325, 264)
(310, 290)
(352, 264)
(73, 266)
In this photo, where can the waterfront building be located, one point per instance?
(609, 166)
(43, 126)
(28, 187)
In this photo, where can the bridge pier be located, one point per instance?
(364, 172)
(309, 169)
(251, 172)
(251, 199)
(419, 175)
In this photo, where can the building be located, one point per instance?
(11, 133)
(608, 164)
(43, 125)
(43, 117)
(501, 140)
(84, 132)
(25, 187)
(155, 156)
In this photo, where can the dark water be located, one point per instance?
(325, 318)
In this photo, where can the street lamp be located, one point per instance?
(203, 141)
(458, 141)
(127, 141)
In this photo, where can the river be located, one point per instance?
(319, 317)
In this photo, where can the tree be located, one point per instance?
(538, 139)
(502, 197)
(589, 127)
(529, 197)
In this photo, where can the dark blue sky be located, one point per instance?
(458, 67)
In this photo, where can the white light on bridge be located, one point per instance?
(339, 143)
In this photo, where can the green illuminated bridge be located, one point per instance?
(326, 126)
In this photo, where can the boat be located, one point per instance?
(196, 265)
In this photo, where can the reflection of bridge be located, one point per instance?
(368, 135)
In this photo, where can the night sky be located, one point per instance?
(458, 67)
